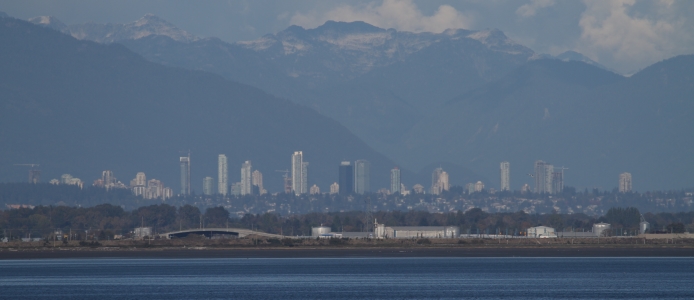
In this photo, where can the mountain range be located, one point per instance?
(470, 98)
(79, 107)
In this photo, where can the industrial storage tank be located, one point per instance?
(644, 226)
(600, 229)
(318, 231)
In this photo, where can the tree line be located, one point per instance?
(104, 221)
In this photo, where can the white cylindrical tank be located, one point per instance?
(643, 227)
(317, 231)
(600, 228)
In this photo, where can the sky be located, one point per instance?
(624, 35)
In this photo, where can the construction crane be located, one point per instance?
(287, 181)
(34, 172)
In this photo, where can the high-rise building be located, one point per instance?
(222, 175)
(346, 178)
(314, 190)
(246, 178)
(297, 172)
(304, 177)
(185, 174)
(418, 188)
(479, 186)
(395, 184)
(625, 182)
(108, 179)
(557, 182)
(361, 176)
(505, 172)
(258, 182)
(470, 188)
(439, 181)
(543, 177)
(139, 184)
(334, 188)
(236, 188)
(208, 185)
(435, 180)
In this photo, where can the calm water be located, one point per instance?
(349, 278)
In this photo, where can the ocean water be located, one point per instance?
(349, 278)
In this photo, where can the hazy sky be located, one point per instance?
(625, 35)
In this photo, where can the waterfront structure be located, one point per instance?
(505, 173)
(222, 175)
(185, 174)
(625, 182)
(334, 188)
(346, 178)
(407, 232)
(541, 232)
(543, 177)
(601, 229)
(257, 182)
(246, 180)
(208, 185)
(298, 185)
(395, 184)
(315, 190)
(479, 186)
(361, 176)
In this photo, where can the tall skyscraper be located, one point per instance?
(543, 177)
(557, 182)
(297, 172)
(222, 175)
(439, 181)
(185, 175)
(246, 178)
(208, 185)
(304, 177)
(258, 182)
(505, 172)
(334, 188)
(346, 178)
(625, 182)
(361, 176)
(395, 184)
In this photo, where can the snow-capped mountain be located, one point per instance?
(110, 33)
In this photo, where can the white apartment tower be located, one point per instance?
(246, 178)
(395, 184)
(185, 174)
(222, 175)
(297, 172)
(208, 185)
(505, 172)
(625, 182)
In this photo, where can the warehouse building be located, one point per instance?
(406, 232)
(541, 232)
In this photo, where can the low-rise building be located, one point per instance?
(405, 232)
(541, 232)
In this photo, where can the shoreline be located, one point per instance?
(361, 252)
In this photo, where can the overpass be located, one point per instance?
(209, 232)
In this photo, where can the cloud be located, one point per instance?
(611, 30)
(402, 15)
(529, 10)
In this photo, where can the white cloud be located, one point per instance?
(529, 10)
(399, 14)
(611, 30)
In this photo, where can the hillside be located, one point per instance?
(79, 107)
(596, 123)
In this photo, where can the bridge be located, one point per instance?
(209, 232)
